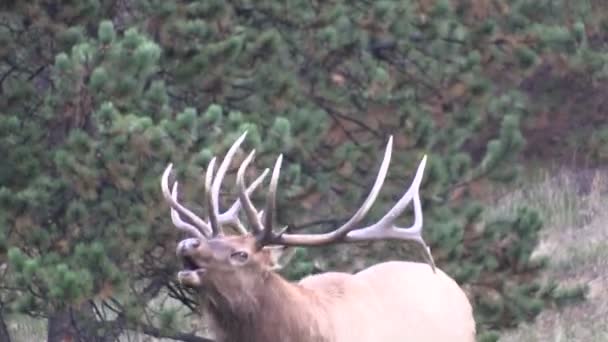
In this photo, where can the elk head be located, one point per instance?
(214, 259)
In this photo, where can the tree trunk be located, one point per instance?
(61, 328)
(78, 325)
(4, 335)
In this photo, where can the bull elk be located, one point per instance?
(235, 277)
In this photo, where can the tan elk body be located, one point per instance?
(249, 302)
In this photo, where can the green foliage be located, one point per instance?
(96, 101)
(300, 265)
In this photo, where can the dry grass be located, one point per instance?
(576, 238)
(24, 329)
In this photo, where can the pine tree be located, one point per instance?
(98, 97)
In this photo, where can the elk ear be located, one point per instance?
(279, 256)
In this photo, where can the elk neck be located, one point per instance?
(271, 309)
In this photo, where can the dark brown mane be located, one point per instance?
(269, 311)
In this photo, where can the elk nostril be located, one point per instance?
(188, 245)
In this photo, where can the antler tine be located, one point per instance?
(251, 212)
(200, 224)
(373, 194)
(200, 228)
(385, 228)
(178, 222)
(208, 196)
(340, 233)
(215, 187)
(231, 215)
(267, 233)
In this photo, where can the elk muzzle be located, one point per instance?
(193, 255)
(188, 247)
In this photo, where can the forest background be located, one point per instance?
(506, 97)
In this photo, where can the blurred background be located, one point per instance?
(506, 97)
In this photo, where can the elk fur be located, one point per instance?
(394, 301)
(391, 301)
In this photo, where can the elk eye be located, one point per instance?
(239, 256)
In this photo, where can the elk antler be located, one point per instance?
(384, 229)
(263, 231)
(199, 227)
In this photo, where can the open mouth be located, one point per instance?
(192, 273)
(189, 264)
